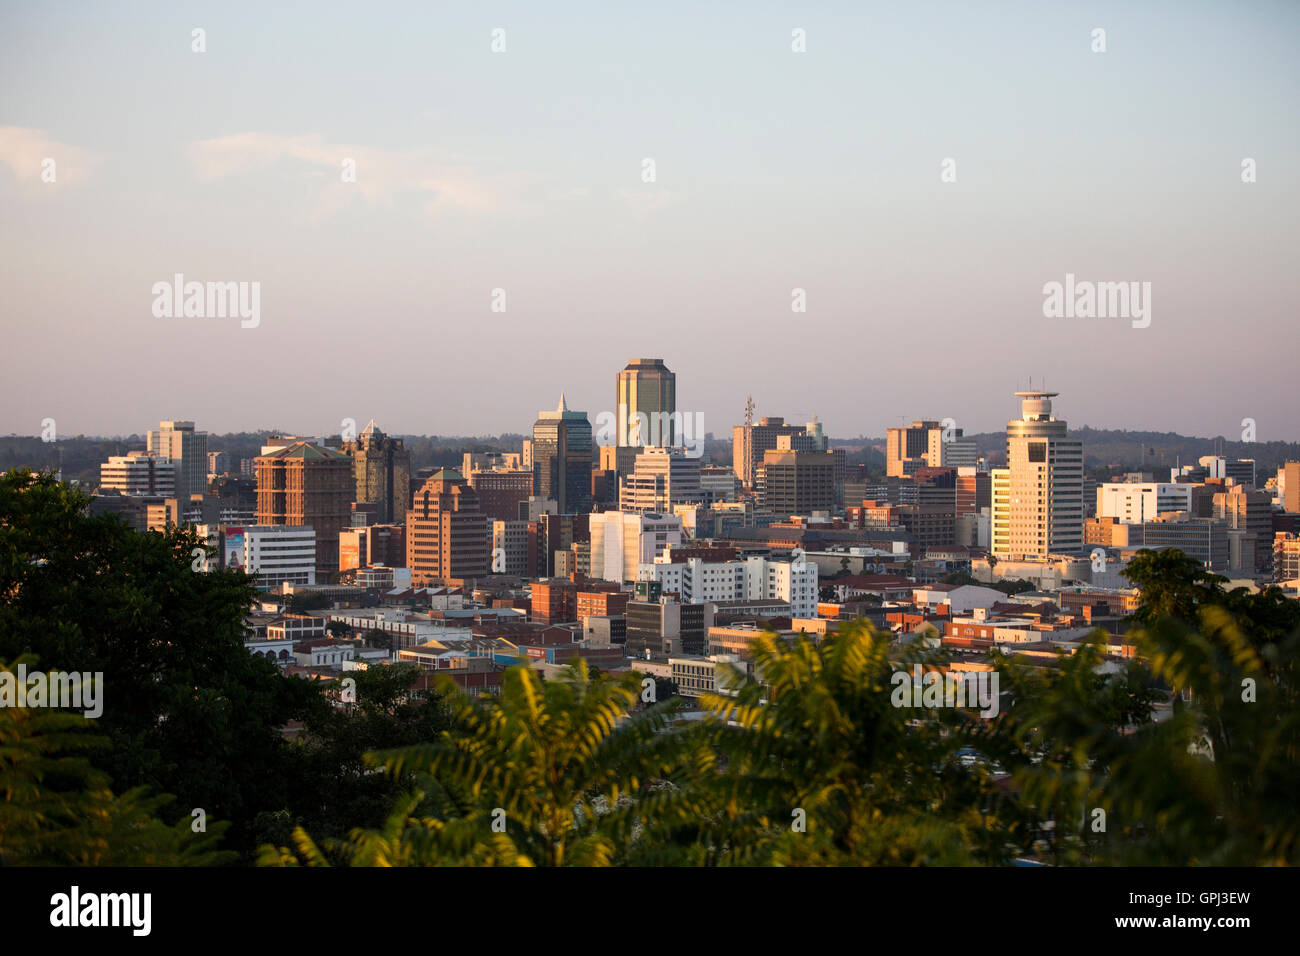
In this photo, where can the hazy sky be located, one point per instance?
(523, 171)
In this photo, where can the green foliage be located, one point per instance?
(332, 788)
(188, 710)
(818, 739)
(57, 809)
(546, 774)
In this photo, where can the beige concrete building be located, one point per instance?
(188, 448)
(1038, 497)
(922, 444)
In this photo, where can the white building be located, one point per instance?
(1134, 502)
(623, 541)
(274, 554)
(325, 653)
(753, 579)
(660, 478)
(962, 599)
(785, 581)
(139, 473)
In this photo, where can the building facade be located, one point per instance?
(179, 442)
(562, 458)
(308, 484)
(646, 401)
(139, 473)
(1038, 498)
(447, 537)
(382, 467)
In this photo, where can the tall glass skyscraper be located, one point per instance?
(562, 452)
(646, 403)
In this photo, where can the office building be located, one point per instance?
(562, 458)
(448, 539)
(923, 444)
(646, 403)
(510, 548)
(796, 482)
(371, 545)
(1246, 510)
(1038, 497)
(501, 492)
(1205, 539)
(1240, 470)
(307, 484)
(139, 473)
(275, 554)
(623, 541)
(664, 627)
(382, 467)
(179, 442)
(1134, 502)
(660, 479)
(750, 442)
(1290, 474)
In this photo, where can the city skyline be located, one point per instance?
(922, 233)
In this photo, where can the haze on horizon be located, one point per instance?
(522, 170)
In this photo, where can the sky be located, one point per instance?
(921, 171)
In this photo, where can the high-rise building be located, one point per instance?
(796, 482)
(646, 403)
(661, 478)
(218, 463)
(1286, 556)
(1240, 470)
(1250, 511)
(717, 483)
(179, 441)
(1291, 487)
(750, 441)
(622, 541)
(510, 548)
(447, 537)
(501, 492)
(1038, 497)
(308, 484)
(382, 466)
(927, 444)
(139, 473)
(562, 453)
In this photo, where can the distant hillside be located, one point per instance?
(1103, 448)
(1118, 448)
